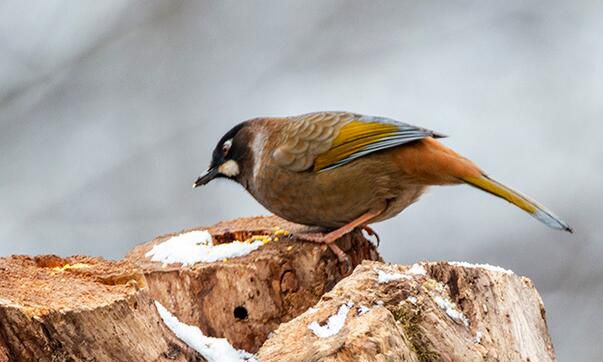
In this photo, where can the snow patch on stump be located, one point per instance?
(213, 349)
(451, 310)
(363, 309)
(197, 246)
(412, 299)
(334, 323)
(489, 267)
(417, 269)
(385, 277)
(311, 310)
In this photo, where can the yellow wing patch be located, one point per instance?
(354, 137)
(323, 141)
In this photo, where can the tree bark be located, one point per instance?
(452, 313)
(89, 309)
(245, 298)
(80, 309)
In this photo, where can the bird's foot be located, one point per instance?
(328, 239)
(371, 232)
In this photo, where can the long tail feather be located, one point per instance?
(523, 202)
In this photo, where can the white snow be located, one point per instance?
(362, 309)
(478, 337)
(450, 308)
(489, 267)
(417, 269)
(213, 349)
(385, 277)
(312, 310)
(197, 246)
(411, 299)
(334, 323)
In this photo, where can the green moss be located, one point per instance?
(409, 316)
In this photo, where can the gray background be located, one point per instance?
(110, 109)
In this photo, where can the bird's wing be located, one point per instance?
(327, 140)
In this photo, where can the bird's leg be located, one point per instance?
(332, 236)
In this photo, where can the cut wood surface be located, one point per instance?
(245, 298)
(284, 298)
(428, 312)
(80, 309)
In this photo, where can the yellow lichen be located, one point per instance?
(59, 269)
(277, 232)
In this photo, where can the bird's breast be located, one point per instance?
(333, 198)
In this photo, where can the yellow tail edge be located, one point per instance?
(536, 210)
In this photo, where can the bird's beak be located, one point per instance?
(209, 175)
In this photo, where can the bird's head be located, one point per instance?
(229, 157)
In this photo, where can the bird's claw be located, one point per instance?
(347, 264)
(372, 232)
(343, 258)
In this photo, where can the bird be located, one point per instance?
(342, 170)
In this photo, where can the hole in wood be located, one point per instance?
(240, 313)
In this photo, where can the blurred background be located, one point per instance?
(110, 109)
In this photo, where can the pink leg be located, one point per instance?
(331, 237)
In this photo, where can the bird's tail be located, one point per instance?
(537, 211)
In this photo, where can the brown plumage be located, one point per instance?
(342, 170)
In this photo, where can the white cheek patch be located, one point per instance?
(229, 168)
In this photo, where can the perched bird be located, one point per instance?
(341, 170)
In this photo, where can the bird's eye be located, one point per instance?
(226, 146)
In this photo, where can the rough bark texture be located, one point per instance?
(244, 299)
(80, 309)
(418, 318)
(89, 309)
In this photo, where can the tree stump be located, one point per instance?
(89, 309)
(429, 312)
(244, 299)
(80, 309)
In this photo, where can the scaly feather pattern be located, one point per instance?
(326, 140)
